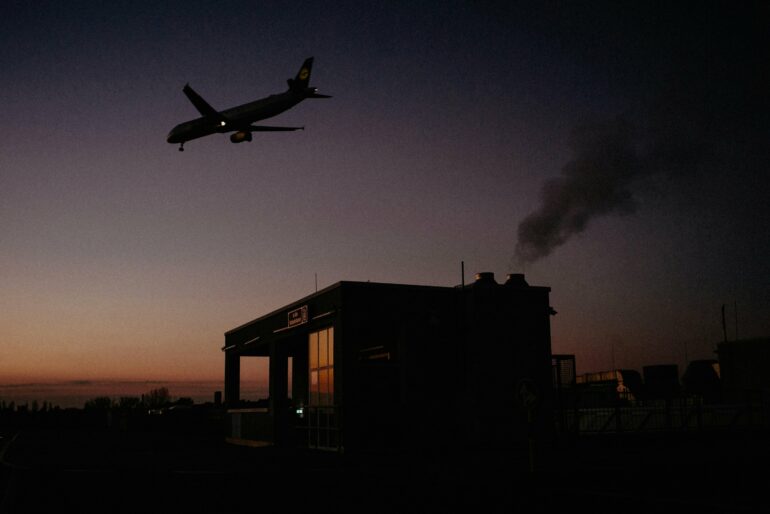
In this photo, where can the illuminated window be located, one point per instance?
(321, 364)
(322, 427)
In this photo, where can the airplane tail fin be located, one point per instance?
(301, 81)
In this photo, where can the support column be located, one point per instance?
(232, 379)
(279, 377)
(299, 374)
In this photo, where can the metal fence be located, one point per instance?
(572, 415)
(680, 414)
(603, 407)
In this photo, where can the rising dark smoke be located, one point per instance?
(610, 159)
(596, 182)
(710, 114)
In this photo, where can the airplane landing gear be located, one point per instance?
(181, 147)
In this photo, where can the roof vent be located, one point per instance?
(516, 280)
(486, 277)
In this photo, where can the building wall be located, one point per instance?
(402, 363)
(508, 342)
(419, 366)
(744, 366)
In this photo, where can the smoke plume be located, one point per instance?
(711, 114)
(595, 182)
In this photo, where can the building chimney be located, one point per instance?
(516, 280)
(485, 277)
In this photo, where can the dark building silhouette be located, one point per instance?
(744, 367)
(607, 388)
(377, 366)
(702, 378)
(564, 390)
(661, 381)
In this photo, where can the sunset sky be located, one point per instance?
(616, 152)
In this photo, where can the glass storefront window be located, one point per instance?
(313, 350)
(321, 364)
(323, 359)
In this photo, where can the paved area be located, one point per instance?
(112, 471)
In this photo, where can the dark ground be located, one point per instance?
(98, 470)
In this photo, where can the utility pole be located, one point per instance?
(724, 324)
(612, 353)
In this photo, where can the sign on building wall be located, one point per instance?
(298, 316)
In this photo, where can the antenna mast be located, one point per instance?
(724, 324)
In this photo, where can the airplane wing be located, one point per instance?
(202, 105)
(264, 128)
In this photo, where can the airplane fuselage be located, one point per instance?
(236, 118)
(239, 119)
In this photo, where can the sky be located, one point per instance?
(615, 152)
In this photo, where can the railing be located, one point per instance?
(322, 428)
(316, 427)
(678, 414)
(250, 424)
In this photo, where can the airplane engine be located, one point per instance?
(240, 137)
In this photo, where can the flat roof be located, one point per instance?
(332, 287)
(367, 284)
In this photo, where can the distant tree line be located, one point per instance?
(35, 406)
(154, 410)
(153, 399)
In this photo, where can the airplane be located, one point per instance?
(239, 119)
